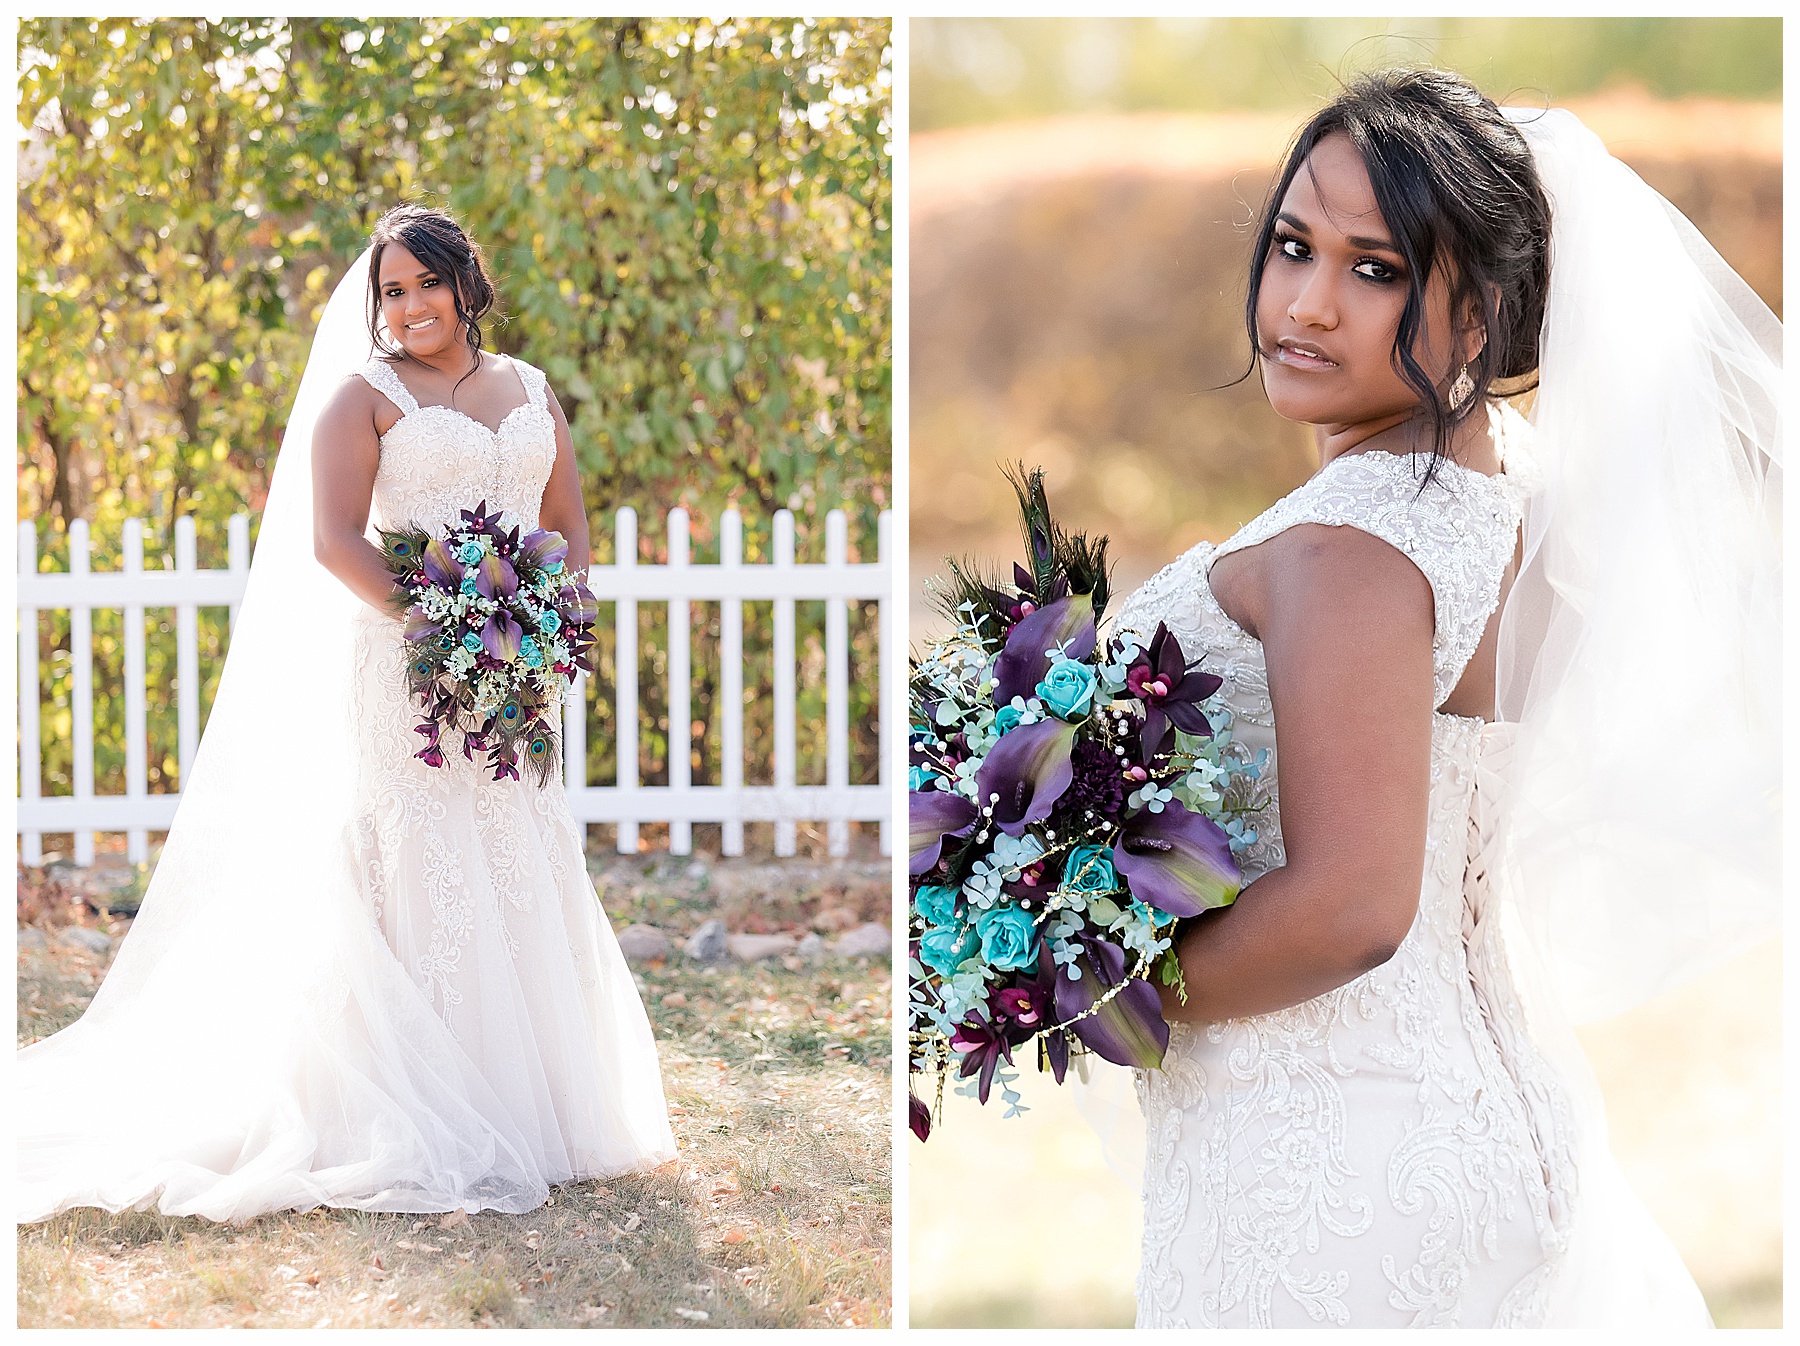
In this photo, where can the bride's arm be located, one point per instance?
(563, 511)
(1346, 626)
(346, 453)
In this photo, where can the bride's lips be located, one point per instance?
(422, 324)
(1301, 355)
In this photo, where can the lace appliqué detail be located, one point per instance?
(1394, 1152)
(437, 462)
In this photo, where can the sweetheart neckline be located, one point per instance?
(493, 432)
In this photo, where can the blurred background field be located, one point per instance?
(1080, 197)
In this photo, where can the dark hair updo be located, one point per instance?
(441, 245)
(1457, 187)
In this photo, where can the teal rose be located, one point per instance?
(533, 656)
(1068, 689)
(472, 642)
(469, 553)
(920, 778)
(936, 903)
(1089, 870)
(943, 948)
(548, 622)
(468, 584)
(1007, 717)
(1008, 938)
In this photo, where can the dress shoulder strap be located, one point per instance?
(1459, 529)
(380, 376)
(533, 379)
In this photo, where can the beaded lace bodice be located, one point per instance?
(437, 461)
(1393, 1152)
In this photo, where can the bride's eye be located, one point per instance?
(1373, 268)
(1294, 249)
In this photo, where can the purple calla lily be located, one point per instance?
(420, 627)
(1028, 769)
(441, 566)
(577, 604)
(1177, 861)
(1129, 1029)
(495, 578)
(542, 547)
(931, 816)
(501, 636)
(1021, 666)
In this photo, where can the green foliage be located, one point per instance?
(968, 71)
(689, 224)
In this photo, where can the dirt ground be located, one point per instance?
(776, 1214)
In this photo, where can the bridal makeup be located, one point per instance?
(418, 305)
(1333, 290)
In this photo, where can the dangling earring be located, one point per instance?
(1462, 390)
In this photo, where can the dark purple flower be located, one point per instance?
(1177, 861)
(431, 754)
(1128, 1029)
(983, 1047)
(1024, 1005)
(1025, 773)
(1021, 666)
(932, 815)
(918, 1116)
(1170, 690)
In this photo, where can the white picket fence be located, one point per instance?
(628, 803)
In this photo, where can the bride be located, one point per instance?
(357, 980)
(1464, 643)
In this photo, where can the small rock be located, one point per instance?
(644, 943)
(833, 919)
(697, 870)
(811, 949)
(755, 948)
(866, 941)
(30, 937)
(675, 1000)
(708, 944)
(81, 937)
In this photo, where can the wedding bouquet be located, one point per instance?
(1069, 801)
(497, 629)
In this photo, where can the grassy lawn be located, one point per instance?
(776, 1214)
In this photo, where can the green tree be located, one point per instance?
(689, 223)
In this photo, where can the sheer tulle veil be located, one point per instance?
(1640, 648)
(255, 1045)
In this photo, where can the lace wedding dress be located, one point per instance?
(1395, 1152)
(356, 980)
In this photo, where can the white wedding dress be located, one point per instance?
(373, 983)
(1396, 1152)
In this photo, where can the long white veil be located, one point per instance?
(1640, 649)
(256, 1045)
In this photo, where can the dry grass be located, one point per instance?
(776, 1214)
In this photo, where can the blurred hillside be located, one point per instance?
(970, 71)
(1077, 296)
